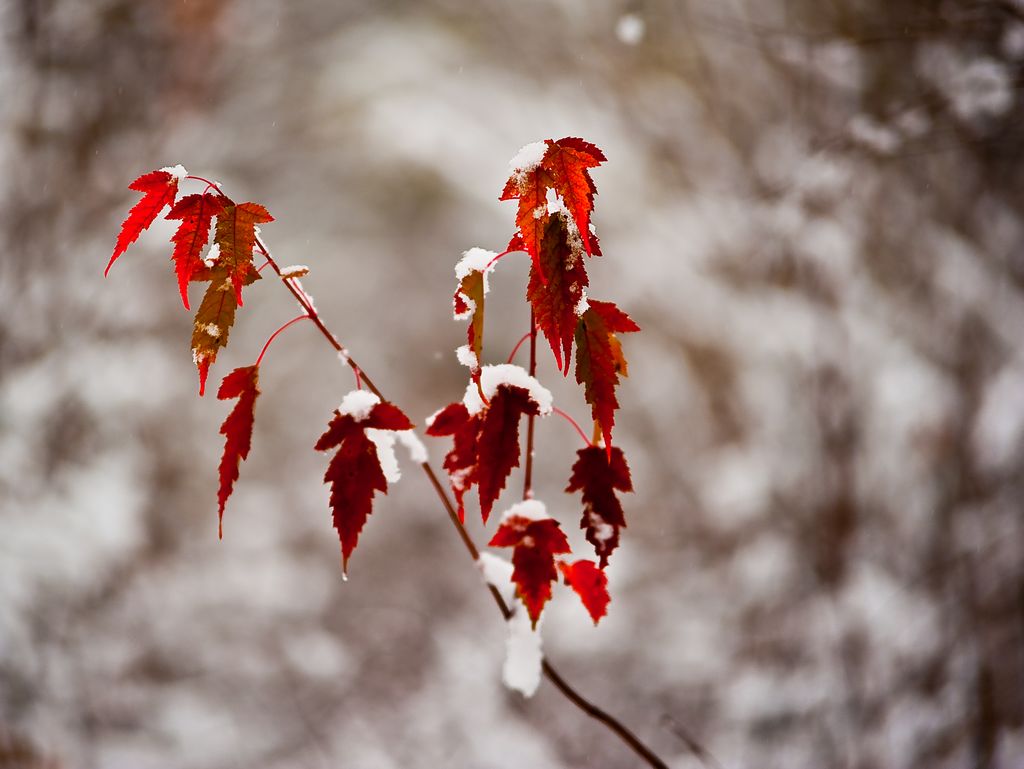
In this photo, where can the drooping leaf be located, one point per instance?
(498, 442)
(355, 473)
(590, 584)
(599, 360)
(215, 317)
(530, 188)
(599, 474)
(556, 297)
(460, 462)
(536, 539)
(236, 236)
(567, 161)
(158, 189)
(196, 213)
(242, 383)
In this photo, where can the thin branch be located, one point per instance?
(273, 336)
(528, 472)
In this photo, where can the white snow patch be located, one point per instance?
(467, 357)
(385, 442)
(212, 255)
(475, 260)
(523, 656)
(178, 171)
(212, 329)
(630, 29)
(412, 443)
(531, 509)
(582, 305)
(343, 356)
(294, 271)
(491, 377)
(497, 572)
(528, 157)
(358, 404)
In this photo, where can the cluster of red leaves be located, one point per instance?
(226, 268)
(555, 194)
(355, 472)
(486, 444)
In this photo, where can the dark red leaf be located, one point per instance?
(242, 383)
(355, 472)
(158, 189)
(599, 477)
(460, 462)
(590, 584)
(498, 442)
(555, 299)
(536, 541)
(196, 213)
(599, 360)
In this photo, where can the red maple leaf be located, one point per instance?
(530, 188)
(537, 539)
(242, 383)
(590, 584)
(355, 472)
(196, 212)
(599, 474)
(158, 189)
(555, 299)
(498, 442)
(567, 160)
(460, 463)
(236, 236)
(599, 360)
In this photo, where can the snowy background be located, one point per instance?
(814, 210)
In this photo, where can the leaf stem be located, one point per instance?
(549, 671)
(574, 423)
(519, 344)
(531, 419)
(273, 336)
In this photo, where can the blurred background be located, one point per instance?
(813, 209)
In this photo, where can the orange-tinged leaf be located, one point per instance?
(536, 539)
(599, 360)
(242, 383)
(355, 472)
(158, 189)
(236, 236)
(567, 160)
(214, 318)
(590, 584)
(196, 213)
(556, 299)
(530, 189)
(599, 473)
(469, 300)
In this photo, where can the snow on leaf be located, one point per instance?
(599, 360)
(242, 383)
(536, 539)
(590, 584)
(216, 312)
(196, 213)
(158, 189)
(554, 298)
(236, 236)
(530, 189)
(469, 302)
(355, 472)
(599, 475)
